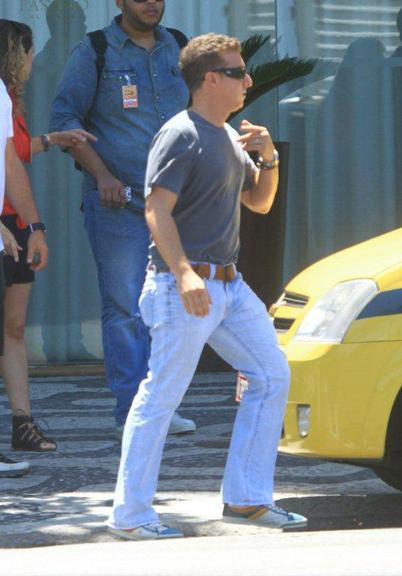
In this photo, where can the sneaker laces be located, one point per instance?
(157, 527)
(278, 510)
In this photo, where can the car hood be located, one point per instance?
(369, 259)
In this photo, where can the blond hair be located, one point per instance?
(204, 53)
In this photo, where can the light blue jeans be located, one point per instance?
(239, 329)
(119, 240)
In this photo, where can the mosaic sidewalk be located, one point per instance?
(67, 495)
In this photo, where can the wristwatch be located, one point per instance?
(44, 138)
(37, 226)
(262, 165)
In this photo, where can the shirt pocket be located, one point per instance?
(110, 90)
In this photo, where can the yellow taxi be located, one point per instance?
(340, 325)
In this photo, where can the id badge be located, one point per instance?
(130, 96)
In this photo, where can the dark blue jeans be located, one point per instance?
(119, 240)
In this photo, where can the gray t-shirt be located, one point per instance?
(207, 168)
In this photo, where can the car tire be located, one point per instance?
(390, 470)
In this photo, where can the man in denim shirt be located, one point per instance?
(139, 89)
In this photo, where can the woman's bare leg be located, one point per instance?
(14, 363)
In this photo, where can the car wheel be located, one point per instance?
(390, 471)
(391, 476)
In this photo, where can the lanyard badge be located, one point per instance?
(130, 94)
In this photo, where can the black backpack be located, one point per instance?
(99, 44)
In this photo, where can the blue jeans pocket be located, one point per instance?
(146, 307)
(154, 302)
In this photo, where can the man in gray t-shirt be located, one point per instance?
(207, 168)
(198, 174)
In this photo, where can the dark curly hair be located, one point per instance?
(16, 41)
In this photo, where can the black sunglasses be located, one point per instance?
(239, 72)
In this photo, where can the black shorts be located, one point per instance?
(17, 272)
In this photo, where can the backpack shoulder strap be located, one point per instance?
(99, 44)
(180, 38)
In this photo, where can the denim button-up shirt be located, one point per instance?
(124, 134)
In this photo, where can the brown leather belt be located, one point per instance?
(207, 271)
(216, 271)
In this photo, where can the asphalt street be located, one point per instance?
(58, 510)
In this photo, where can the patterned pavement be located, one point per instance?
(66, 497)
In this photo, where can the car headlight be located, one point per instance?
(329, 319)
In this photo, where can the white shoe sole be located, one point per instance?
(290, 526)
(134, 537)
(295, 526)
(182, 430)
(14, 473)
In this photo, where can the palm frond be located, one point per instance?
(273, 74)
(251, 46)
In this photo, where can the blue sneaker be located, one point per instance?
(11, 469)
(265, 515)
(151, 531)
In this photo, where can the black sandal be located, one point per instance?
(28, 436)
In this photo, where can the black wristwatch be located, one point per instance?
(37, 226)
(44, 138)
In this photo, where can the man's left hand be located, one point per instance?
(257, 139)
(37, 255)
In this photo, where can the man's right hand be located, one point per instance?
(111, 192)
(194, 293)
